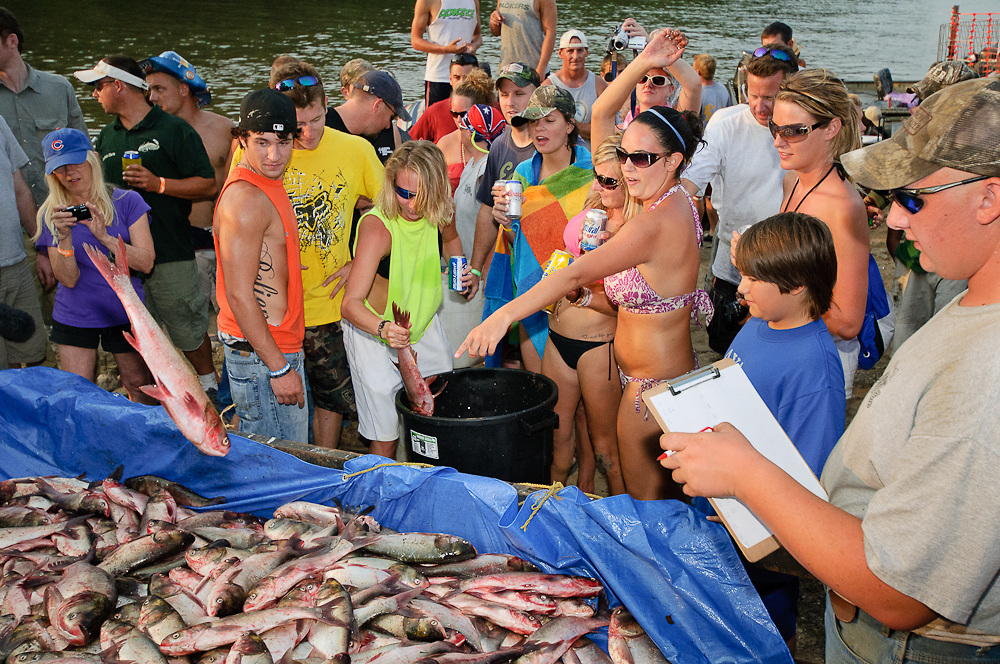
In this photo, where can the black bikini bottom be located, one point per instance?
(572, 350)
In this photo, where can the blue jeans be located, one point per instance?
(863, 641)
(259, 410)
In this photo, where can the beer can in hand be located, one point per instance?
(456, 266)
(593, 226)
(514, 192)
(130, 157)
(557, 261)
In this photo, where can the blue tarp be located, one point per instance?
(677, 573)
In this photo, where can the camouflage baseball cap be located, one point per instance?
(941, 75)
(955, 128)
(543, 101)
(521, 74)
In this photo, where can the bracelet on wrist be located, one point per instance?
(380, 326)
(163, 185)
(65, 252)
(476, 272)
(280, 372)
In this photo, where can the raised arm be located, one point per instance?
(662, 50)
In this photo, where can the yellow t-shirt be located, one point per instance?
(324, 185)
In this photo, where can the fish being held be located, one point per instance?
(417, 388)
(176, 387)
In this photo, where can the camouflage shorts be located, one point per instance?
(327, 369)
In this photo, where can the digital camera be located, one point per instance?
(79, 212)
(620, 41)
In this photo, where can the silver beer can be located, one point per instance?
(593, 226)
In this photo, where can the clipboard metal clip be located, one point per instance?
(692, 378)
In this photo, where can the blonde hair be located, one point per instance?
(99, 197)
(477, 86)
(822, 95)
(605, 154)
(353, 69)
(705, 64)
(433, 200)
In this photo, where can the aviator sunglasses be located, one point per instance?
(289, 83)
(911, 201)
(793, 133)
(638, 159)
(775, 53)
(606, 182)
(405, 194)
(658, 80)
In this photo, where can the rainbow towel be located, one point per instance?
(518, 265)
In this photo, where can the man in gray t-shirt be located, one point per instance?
(908, 539)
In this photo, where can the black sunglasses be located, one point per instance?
(405, 194)
(638, 159)
(465, 59)
(775, 53)
(458, 115)
(289, 83)
(911, 201)
(606, 182)
(793, 133)
(658, 80)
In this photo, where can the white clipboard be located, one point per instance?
(721, 392)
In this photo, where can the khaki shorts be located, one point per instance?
(17, 289)
(176, 299)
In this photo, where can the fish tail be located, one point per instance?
(108, 269)
(402, 317)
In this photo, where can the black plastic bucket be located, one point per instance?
(491, 422)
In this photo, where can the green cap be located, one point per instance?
(543, 101)
(522, 75)
(954, 128)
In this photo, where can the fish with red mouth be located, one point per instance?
(418, 389)
(176, 387)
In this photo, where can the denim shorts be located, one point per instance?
(258, 408)
(865, 640)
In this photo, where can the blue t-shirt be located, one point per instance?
(799, 376)
(92, 302)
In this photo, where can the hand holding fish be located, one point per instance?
(396, 335)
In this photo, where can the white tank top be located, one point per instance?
(456, 19)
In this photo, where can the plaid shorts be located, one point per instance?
(327, 369)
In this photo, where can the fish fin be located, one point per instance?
(159, 392)
(444, 385)
(116, 474)
(132, 341)
(402, 317)
(190, 404)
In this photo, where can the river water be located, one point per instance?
(232, 42)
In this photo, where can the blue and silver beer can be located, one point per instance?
(456, 266)
(594, 224)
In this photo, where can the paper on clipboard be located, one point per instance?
(722, 392)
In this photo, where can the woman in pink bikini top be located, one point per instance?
(649, 267)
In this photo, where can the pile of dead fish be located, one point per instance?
(110, 572)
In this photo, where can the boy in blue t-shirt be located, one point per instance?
(789, 266)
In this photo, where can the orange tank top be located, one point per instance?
(288, 335)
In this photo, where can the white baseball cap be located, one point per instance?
(564, 41)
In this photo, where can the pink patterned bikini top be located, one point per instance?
(629, 290)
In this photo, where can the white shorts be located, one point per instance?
(376, 378)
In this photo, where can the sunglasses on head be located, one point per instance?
(289, 83)
(404, 193)
(793, 133)
(658, 80)
(911, 201)
(465, 59)
(606, 182)
(638, 159)
(775, 53)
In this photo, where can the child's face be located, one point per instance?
(768, 303)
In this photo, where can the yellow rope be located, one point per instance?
(229, 427)
(386, 465)
(540, 500)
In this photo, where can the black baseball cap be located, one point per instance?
(267, 110)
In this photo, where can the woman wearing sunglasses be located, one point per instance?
(650, 271)
(458, 149)
(814, 122)
(579, 353)
(397, 262)
(554, 181)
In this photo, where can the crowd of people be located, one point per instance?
(318, 235)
